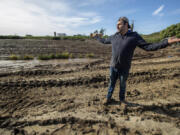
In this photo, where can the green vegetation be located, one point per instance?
(44, 57)
(27, 57)
(56, 38)
(38, 37)
(15, 57)
(64, 55)
(75, 37)
(102, 31)
(90, 55)
(10, 37)
(173, 30)
(152, 38)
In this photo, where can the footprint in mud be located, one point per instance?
(17, 131)
(133, 93)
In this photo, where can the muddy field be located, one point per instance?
(64, 97)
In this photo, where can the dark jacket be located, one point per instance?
(123, 48)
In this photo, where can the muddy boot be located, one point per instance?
(106, 101)
(124, 103)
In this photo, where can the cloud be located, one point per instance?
(43, 17)
(158, 11)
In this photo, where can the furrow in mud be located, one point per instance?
(91, 66)
(65, 97)
(35, 73)
(63, 120)
(158, 63)
(155, 72)
(137, 77)
(165, 109)
(73, 125)
(51, 83)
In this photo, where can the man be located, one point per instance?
(124, 43)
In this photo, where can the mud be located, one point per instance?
(65, 97)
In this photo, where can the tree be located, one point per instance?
(96, 31)
(102, 31)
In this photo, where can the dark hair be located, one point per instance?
(125, 20)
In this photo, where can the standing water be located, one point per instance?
(18, 65)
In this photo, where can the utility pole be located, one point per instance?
(132, 25)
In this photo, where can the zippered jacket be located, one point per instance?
(123, 48)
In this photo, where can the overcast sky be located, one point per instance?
(43, 17)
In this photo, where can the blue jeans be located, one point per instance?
(114, 75)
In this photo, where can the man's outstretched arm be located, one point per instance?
(155, 46)
(172, 40)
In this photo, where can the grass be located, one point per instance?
(152, 38)
(27, 57)
(10, 37)
(64, 55)
(90, 55)
(44, 57)
(75, 37)
(15, 57)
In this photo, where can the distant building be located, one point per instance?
(61, 34)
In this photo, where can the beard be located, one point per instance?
(120, 30)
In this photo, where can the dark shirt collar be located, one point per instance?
(129, 31)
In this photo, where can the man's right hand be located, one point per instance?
(97, 35)
(94, 35)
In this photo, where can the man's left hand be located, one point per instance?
(172, 40)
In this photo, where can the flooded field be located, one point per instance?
(64, 97)
(18, 65)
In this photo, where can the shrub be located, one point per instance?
(27, 57)
(10, 37)
(56, 38)
(43, 57)
(64, 55)
(90, 55)
(52, 56)
(13, 57)
(173, 30)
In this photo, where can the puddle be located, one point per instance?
(17, 65)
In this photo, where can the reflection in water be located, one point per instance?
(16, 65)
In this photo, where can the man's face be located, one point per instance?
(121, 26)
